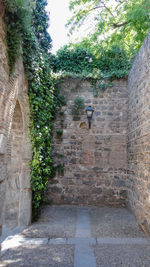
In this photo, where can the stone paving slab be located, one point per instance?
(123, 241)
(84, 256)
(82, 241)
(113, 222)
(63, 238)
(57, 241)
(39, 256)
(83, 223)
(55, 222)
(122, 255)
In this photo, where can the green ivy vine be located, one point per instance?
(27, 23)
(27, 36)
(79, 61)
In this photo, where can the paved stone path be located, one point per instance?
(84, 255)
(70, 236)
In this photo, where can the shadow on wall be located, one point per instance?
(14, 168)
(18, 190)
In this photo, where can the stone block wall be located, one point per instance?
(13, 90)
(108, 164)
(94, 159)
(3, 70)
(139, 136)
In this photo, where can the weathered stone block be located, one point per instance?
(2, 144)
(2, 173)
(119, 183)
(97, 190)
(24, 179)
(26, 152)
(56, 189)
(25, 207)
(2, 197)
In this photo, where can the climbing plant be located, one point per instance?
(27, 23)
(78, 106)
(18, 18)
(99, 61)
(79, 60)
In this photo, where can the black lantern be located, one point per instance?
(89, 112)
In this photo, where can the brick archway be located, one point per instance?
(18, 191)
(14, 168)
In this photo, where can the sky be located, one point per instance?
(59, 14)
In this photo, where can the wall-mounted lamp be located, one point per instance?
(89, 112)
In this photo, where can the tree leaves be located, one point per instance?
(126, 22)
(92, 61)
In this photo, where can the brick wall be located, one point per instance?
(139, 136)
(11, 90)
(3, 79)
(94, 159)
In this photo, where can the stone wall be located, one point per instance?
(94, 159)
(139, 136)
(13, 90)
(108, 164)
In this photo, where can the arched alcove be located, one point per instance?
(14, 167)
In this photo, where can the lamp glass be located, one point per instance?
(89, 113)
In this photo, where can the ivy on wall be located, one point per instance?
(27, 23)
(18, 18)
(27, 36)
(78, 107)
(80, 61)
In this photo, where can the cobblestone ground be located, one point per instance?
(70, 236)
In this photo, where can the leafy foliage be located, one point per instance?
(109, 50)
(78, 106)
(41, 24)
(59, 168)
(113, 61)
(59, 133)
(71, 59)
(79, 60)
(28, 26)
(115, 21)
(18, 17)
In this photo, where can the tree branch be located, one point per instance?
(115, 25)
(101, 6)
(95, 8)
(107, 8)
